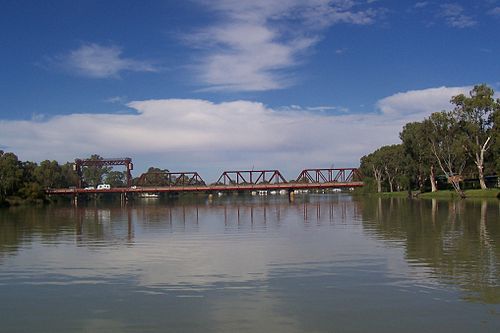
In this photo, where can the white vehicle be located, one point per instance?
(103, 187)
(89, 188)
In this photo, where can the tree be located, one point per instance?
(447, 143)
(30, 188)
(476, 116)
(155, 177)
(417, 147)
(94, 174)
(393, 161)
(496, 139)
(115, 179)
(371, 165)
(49, 174)
(11, 174)
(69, 176)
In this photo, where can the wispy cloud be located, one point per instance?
(98, 61)
(255, 43)
(495, 12)
(116, 100)
(198, 134)
(454, 15)
(421, 4)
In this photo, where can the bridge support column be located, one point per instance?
(75, 199)
(123, 198)
(291, 195)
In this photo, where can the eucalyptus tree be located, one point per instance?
(115, 179)
(11, 174)
(476, 116)
(417, 147)
(496, 136)
(371, 165)
(413, 147)
(69, 175)
(385, 164)
(393, 160)
(94, 174)
(447, 143)
(49, 174)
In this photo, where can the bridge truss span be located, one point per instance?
(251, 177)
(163, 178)
(331, 175)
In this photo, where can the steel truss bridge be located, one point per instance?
(229, 181)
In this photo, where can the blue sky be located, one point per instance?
(209, 85)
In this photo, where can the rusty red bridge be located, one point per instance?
(229, 181)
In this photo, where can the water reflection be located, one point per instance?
(253, 264)
(457, 240)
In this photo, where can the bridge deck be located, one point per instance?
(208, 188)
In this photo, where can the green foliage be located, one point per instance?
(386, 166)
(116, 179)
(154, 177)
(447, 142)
(417, 149)
(94, 175)
(11, 174)
(69, 176)
(32, 191)
(476, 115)
(49, 174)
(496, 140)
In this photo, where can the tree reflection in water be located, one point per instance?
(457, 240)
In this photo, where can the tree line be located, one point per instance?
(462, 143)
(28, 180)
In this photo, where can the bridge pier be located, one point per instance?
(74, 200)
(291, 195)
(123, 198)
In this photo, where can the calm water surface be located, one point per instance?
(326, 263)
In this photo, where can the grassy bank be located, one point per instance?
(490, 193)
(401, 194)
(445, 194)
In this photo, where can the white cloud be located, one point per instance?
(208, 137)
(97, 61)
(454, 15)
(256, 41)
(414, 105)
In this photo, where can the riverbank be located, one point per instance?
(18, 201)
(489, 193)
(445, 194)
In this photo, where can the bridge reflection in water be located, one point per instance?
(118, 224)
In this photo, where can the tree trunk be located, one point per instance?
(378, 177)
(456, 186)
(482, 183)
(433, 179)
(480, 163)
(420, 180)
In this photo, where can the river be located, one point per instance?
(323, 263)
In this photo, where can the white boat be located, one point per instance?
(149, 195)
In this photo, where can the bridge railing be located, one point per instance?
(251, 177)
